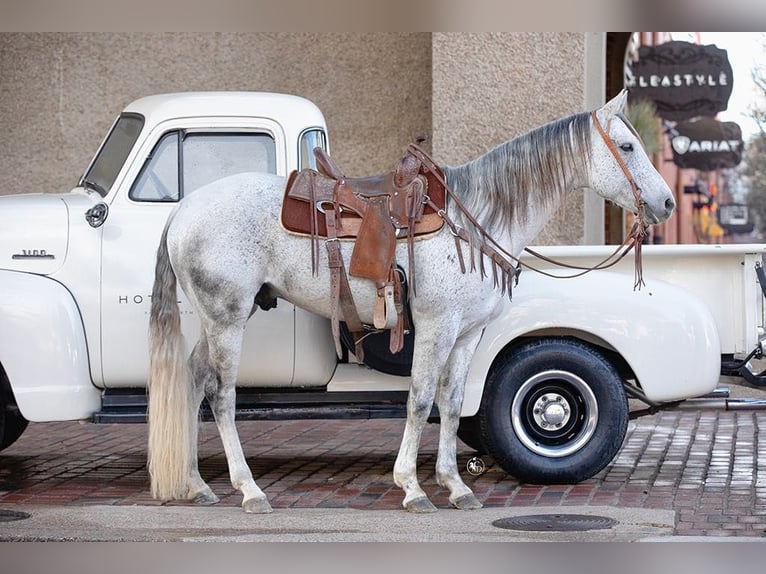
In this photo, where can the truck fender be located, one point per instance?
(43, 349)
(665, 334)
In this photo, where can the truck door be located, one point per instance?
(174, 162)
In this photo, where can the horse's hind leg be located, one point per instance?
(224, 349)
(203, 377)
(449, 399)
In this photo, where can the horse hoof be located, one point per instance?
(420, 506)
(257, 506)
(206, 497)
(467, 502)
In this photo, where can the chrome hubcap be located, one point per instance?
(551, 411)
(554, 413)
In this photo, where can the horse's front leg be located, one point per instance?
(450, 401)
(428, 362)
(224, 355)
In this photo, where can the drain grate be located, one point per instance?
(555, 522)
(11, 515)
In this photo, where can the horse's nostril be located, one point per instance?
(670, 204)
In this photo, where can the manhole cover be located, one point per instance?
(11, 515)
(555, 522)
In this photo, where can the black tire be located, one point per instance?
(376, 344)
(554, 412)
(469, 432)
(377, 355)
(12, 424)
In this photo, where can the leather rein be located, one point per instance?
(505, 260)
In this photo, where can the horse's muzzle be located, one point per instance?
(654, 215)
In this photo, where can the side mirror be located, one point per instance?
(97, 214)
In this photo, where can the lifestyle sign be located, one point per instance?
(683, 80)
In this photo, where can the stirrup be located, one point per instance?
(385, 309)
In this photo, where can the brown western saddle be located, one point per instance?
(374, 212)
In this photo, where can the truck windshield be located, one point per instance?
(113, 152)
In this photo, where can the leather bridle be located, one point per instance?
(612, 148)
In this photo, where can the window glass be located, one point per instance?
(114, 151)
(205, 157)
(158, 180)
(208, 157)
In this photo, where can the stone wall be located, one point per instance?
(468, 92)
(490, 87)
(61, 92)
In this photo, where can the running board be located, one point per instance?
(129, 405)
(743, 367)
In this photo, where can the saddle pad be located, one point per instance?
(297, 211)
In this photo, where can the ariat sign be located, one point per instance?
(707, 144)
(683, 80)
(682, 144)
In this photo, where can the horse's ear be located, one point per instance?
(613, 107)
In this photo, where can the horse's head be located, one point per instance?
(621, 170)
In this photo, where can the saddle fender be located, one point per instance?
(43, 349)
(664, 333)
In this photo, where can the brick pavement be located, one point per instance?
(706, 465)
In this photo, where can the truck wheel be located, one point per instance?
(469, 432)
(554, 411)
(12, 424)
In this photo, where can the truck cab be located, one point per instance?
(93, 248)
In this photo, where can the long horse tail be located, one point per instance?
(170, 411)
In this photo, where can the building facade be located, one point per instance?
(467, 92)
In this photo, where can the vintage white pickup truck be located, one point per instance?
(548, 387)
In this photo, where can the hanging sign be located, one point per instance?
(707, 144)
(735, 218)
(683, 80)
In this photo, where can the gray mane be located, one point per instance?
(496, 187)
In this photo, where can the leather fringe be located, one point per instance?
(638, 233)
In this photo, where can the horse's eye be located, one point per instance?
(626, 147)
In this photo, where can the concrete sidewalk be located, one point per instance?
(221, 524)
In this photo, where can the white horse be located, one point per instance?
(227, 248)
